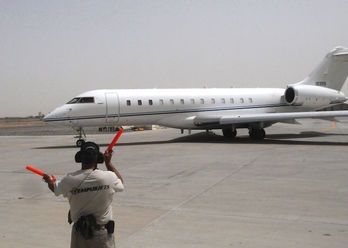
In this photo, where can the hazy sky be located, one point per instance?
(51, 51)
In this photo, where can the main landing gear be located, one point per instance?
(229, 132)
(257, 134)
(254, 133)
(81, 137)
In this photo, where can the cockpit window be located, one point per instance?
(86, 100)
(81, 100)
(75, 100)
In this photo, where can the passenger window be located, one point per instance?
(140, 103)
(213, 101)
(223, 101)
(161, 102)
(128, 102)
(241, 100)
(232, 100)
(171, 101)
(192, 101)
(202, 101)
(182, 101)
(250, 100)
(150, 102)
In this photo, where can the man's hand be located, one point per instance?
(49, 180)
(108, 156)
(109, 166)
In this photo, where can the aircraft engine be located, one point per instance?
(312, 96)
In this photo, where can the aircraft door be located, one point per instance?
(112, 109)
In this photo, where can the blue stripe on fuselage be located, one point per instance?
(165, 112)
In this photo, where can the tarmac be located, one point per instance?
(191, 190)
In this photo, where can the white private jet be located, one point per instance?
(208, 108)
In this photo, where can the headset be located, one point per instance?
(89, 153)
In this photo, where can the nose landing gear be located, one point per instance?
(81, 137)
(80, 142)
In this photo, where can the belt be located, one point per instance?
(110, 226)
(99, 227)
(88, 224)
(96, 226)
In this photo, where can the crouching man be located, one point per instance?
(90, 192)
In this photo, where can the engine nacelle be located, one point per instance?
(312, 96)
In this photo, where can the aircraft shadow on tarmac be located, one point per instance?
(203, 137)
(281, 139)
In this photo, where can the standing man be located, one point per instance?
(90, 192)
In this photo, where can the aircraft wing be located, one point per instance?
(266, 117)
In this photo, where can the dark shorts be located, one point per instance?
(101, 239)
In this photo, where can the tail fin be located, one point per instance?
(331, 72)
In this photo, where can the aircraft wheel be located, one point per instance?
(262, 134)
(252, 134)
(257, 134)
(80, 142)
(229, 132)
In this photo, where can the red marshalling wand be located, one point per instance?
(113, 142)
(36, 171)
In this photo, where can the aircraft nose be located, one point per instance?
(56, 115)
(47, 117)
(51, 116)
